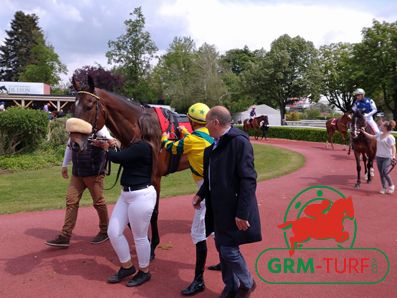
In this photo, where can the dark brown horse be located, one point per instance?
(338, 124)
(255, 125)
(120, 115)
(362, 146)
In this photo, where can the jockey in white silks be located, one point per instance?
(367, 107)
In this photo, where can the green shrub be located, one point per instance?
(22, 130)
(293, 116)
(57, 134)
(45, 156)
(311, 114)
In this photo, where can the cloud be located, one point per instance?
(80, 30)
(233, 24)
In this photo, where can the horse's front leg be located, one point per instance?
(370, 170)
(358, 167)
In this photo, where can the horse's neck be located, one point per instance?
(121, 117)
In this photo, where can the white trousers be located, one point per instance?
(135, 207)
(373, 124)
(198, 224)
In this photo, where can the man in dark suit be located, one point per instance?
(229, 191)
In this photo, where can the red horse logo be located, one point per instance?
(323, 222)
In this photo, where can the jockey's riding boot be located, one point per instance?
(198, 285)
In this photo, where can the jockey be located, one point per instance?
(253, 112)
(367, 107)
(193, 146)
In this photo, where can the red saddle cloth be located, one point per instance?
(169, 121)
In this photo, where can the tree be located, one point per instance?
(45, 66)
(289, 70)
(377, 57)
(104, 79)
(340, 73)
(16, 53)
(132, 53)
(176, 73)
(237, 60)
(25, 55)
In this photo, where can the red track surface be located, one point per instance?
(28, 268)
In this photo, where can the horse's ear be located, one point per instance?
(91, 84)
(76, 84)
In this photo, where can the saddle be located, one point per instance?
(169, 121)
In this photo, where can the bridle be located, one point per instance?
(97, 103)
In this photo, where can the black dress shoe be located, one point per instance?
(139, 279)
(122, 273)
(243, 292)
(216, 267)
(195, 287)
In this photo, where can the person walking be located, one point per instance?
(88, 171)
(193, 145)
(385, 154)
(229, 191)
(137, 199)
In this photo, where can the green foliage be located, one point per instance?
(293, 116)
(45, 66)
(132, 53)
(22, 129)
(301, 134)
(25, 55)
(289, 70)
(57, 134)
(339, 74)
(377, 57)
(311, 114)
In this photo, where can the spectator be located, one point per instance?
(88, 171)
(229, 191)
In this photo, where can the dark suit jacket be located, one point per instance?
(229, 189)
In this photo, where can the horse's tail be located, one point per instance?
(286, 225)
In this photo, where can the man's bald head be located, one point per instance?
(221, 114)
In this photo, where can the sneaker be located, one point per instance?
(390, 190)
(139, 279)
(60, 241)
(122, 273)
(382, 191)
(99, 238)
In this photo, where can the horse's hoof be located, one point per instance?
(357, 186)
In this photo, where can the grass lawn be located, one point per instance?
(46, 189)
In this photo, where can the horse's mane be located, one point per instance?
(124, 99)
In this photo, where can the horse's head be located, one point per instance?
(346, 118)
(261, 118)
(358, 122)
(88, 108)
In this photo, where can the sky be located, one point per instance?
(80, 30)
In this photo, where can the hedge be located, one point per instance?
(301, 133)
(22, 130)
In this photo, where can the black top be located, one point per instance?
(136, 161)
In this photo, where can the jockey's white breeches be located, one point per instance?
(373, 124)
(198, 223)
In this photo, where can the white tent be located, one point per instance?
(273, 115)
